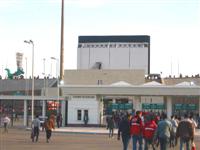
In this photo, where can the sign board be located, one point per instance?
(121, 106)
(185, 106)
(153, 106)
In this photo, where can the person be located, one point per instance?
(185, 132)
(173, 133)
(111, 125)
(35, 128)
(6, 122)
(124, 131)
(148, 132)
(85, 119)
(59, 120)
(163, 132)
(49, 125)
(136, 129)
(194, 123)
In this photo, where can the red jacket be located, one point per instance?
(149, 129)
(136, 126)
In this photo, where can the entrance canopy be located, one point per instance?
(141, 90)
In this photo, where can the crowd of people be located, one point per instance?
(149, 130)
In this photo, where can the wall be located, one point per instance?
(114, 56)
(91, 77)
(83, 103)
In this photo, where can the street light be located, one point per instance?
(32, 98)
(57, 61)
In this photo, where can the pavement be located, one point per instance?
(82, 130)
(92, 130)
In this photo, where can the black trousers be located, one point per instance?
(35, 133)
(48, 134)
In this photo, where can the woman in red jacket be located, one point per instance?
(136, 129)
(148, 133)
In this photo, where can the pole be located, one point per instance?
(32, 97)
(32, 81)
(62, 44)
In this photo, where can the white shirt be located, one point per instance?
(6, 120)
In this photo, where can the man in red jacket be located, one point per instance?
(136, 129)
(148, 132)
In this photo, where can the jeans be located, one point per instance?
(111, 132)
(125, 140)
(164, 142)
(135, 139)
(184, 141)
(36, 133)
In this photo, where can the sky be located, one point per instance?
(173, 26)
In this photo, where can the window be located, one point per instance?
(79, 115)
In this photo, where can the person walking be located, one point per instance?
(35, 129)
(173, 133)
(49, 126)
(148, 133)
(124, 131)
(163, 132)
(136, 129)
(6, 122)
(111, 125)
(185, 131)
(59, 120)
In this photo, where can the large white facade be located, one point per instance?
(114, 52)
(77, 106)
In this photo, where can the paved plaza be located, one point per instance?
(67, 138)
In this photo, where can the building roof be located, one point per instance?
(152, 83)
(185, 84)
(8, 85)
(120, 83)
(119, 38)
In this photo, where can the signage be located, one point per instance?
(121, 106)
(153, 106)
(185, 106)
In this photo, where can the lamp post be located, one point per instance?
(57, 62)
(32, 97)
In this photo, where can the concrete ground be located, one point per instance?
(65, 139)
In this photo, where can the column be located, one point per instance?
(199, 105)
(169, 106)
(113, 100)
(100, 112)
(63, 108)
(137, 103)
(43, 108)
(25, 113)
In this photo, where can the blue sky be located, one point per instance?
(174, 27)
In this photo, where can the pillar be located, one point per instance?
(25, 113)
(199, 105)
(137, 103)
(43, 108)
(113, 100)
(63, 108)
(169, 106)
(100, 112)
